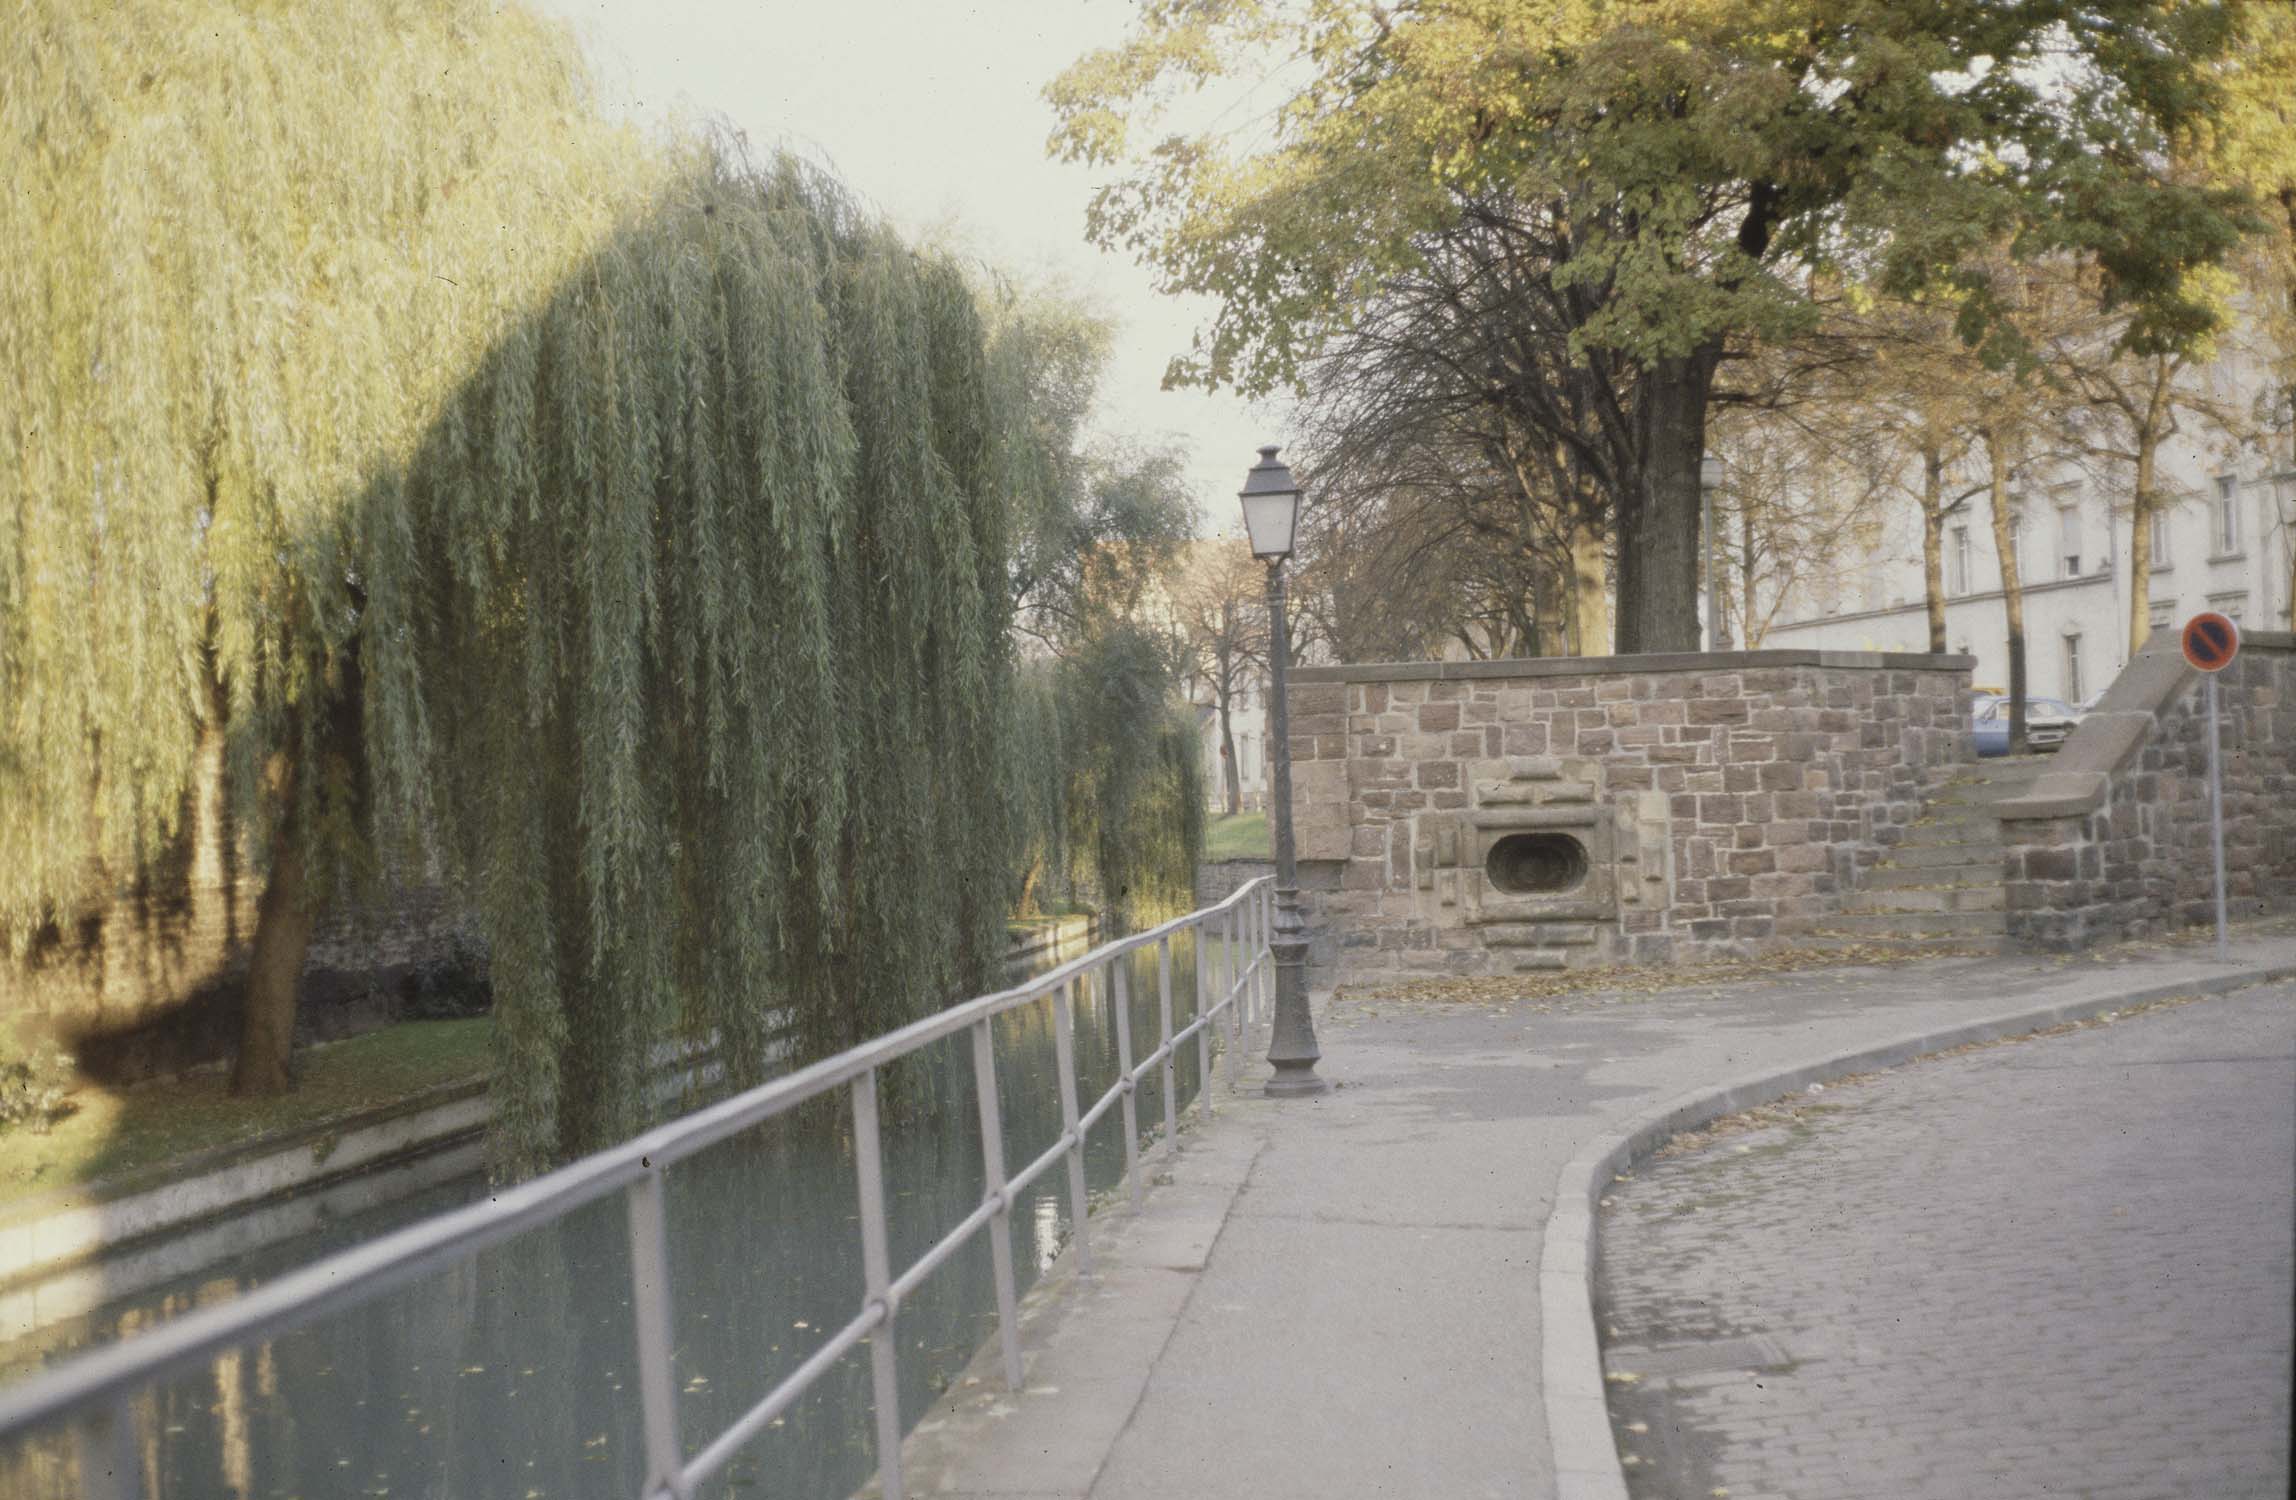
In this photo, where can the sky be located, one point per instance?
(932, 111)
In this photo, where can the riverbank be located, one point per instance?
(180, 1154)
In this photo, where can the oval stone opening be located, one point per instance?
(1536, 864)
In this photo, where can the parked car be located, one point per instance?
(2047, 722)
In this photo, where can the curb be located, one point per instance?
(1584, 1453)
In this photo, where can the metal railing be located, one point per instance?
(92, 1392)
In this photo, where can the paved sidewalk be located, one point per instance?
(2057, 1266)
(1341, 1296)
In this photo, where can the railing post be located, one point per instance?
(1230, 923)
(877, 1279)
(1266, 956)
(1247, 975)
(650, 1304)
(1000, 1222)
(1164, 1024)
(1064, 1062)
(1203, 1018)
(105, 1441)
(1122, 986)
(1247, 979)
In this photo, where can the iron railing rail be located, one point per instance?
(93, 1391)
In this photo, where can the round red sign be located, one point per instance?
(2211, 641)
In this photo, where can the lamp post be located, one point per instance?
(1271, 518)
(1710, 480)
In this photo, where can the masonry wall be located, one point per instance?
(1722, 801)
(150, 982)
(2113, 841)
(1218, 879)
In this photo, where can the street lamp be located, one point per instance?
(1271, 518)
(1710, 480)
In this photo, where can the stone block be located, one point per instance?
(1717, 711)
(1804, 858)
(2049, 864)
(1320, 809)
(1525, 739)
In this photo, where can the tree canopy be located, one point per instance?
(1670, 174)
(621, 527)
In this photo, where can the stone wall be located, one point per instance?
(150, 983)
(1218, 879)
(1480, 817)
(2113, 840)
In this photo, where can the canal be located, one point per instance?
(514, 1374)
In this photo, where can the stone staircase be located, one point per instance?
(1939, 888)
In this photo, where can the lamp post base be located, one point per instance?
(1297, 1079)
(1292, 1049)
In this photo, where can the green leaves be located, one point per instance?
(1696, 156)
(646, 511)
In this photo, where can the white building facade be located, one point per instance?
(2225, 542)
(1248, 720)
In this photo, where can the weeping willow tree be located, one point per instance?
(1111, 799)
(612, 526)
(1106, 784)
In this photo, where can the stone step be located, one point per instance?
(1917, 924)
(1975, 872)
(1994, 774)
(1934, 947)
(1929, 853)
(1976, 897)
(1985, 794)
(1969, 837)
(1954, 814)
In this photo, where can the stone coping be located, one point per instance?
(1608, 666)
(2108, 740)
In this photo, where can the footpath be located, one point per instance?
(1385, 1290)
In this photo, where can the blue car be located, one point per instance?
(2047, 722)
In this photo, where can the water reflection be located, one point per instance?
(514, 1374)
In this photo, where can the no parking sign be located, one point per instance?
(2210, 642)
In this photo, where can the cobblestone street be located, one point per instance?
(2055, 1267)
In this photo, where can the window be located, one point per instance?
(2017, 541)
(2227, 516)
(2229, 605)
(2073, 693)
(2069, 540)
(1957, 574)
(2162, 613)
(2161, 556)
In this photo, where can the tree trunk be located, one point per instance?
(1233, 774)
(2141, 523)
(1749, 634)
(1659, 529)
(1549, 591)
(1933, 543)
(2012, 589)
(1590, 598)
(283, 923)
